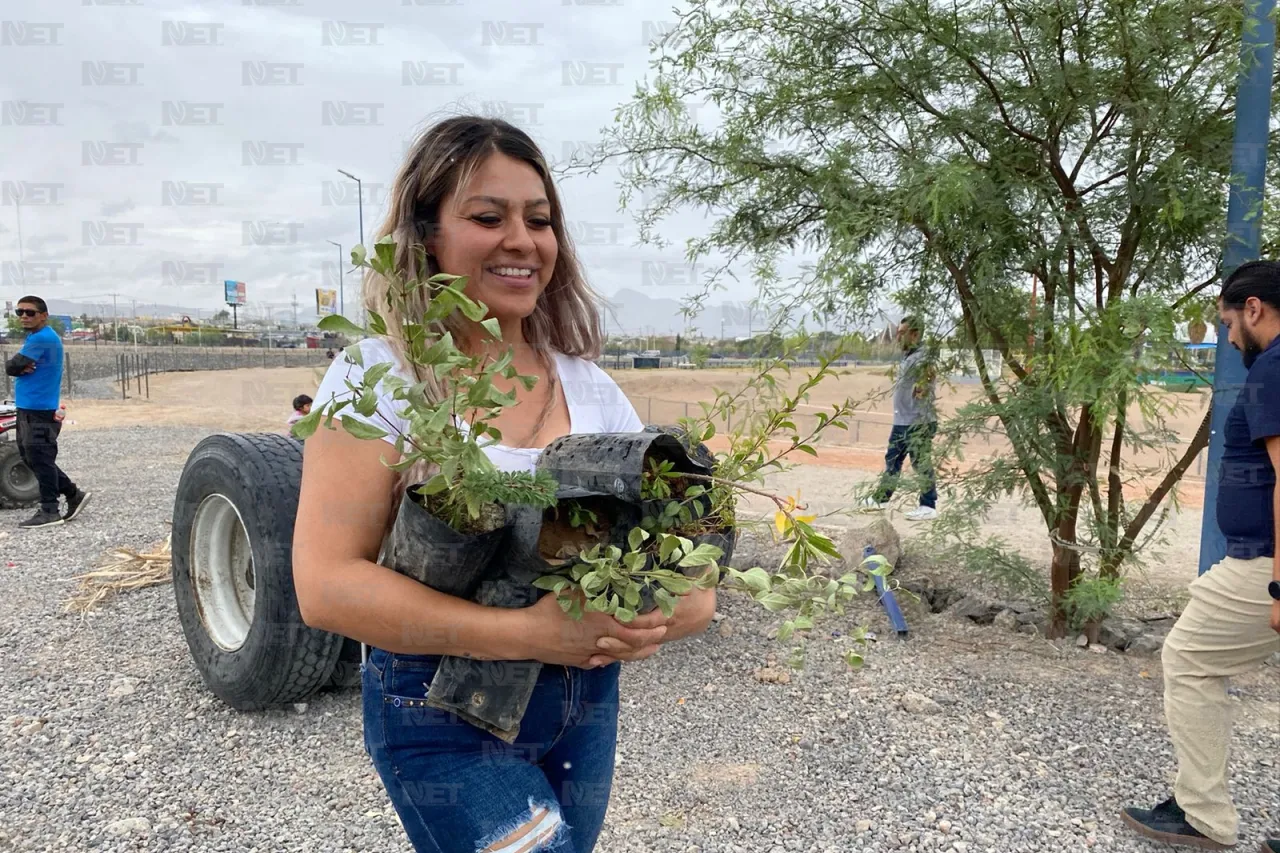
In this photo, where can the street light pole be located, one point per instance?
(360, 208)
(1244, 237)
(342, 308)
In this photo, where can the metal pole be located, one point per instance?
(146, 367)
(341, 306)
(1244, 227)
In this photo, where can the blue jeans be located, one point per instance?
(459, 789)
(915, 441)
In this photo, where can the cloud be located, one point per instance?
(217, 131)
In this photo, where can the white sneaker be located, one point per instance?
(922, 513)
(870, 504)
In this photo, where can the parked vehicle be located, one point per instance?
(18, 485)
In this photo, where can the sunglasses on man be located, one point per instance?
(25, 312)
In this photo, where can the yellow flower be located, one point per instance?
(783, 517)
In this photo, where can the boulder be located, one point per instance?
(879, 534)
(1147, 644)
(975, 609)
(1116, 634)
(1006, 620)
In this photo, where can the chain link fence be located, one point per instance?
(115, 371)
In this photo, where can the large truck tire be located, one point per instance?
(233, 572)
(18, 485)
(346, 672)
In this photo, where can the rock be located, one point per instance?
(1147, 644)
(725, 630)
(1030, 617)
(1274, 660)
(1029, 629)
(862, 826)
(122, 685)
(1117, 633)
(33, 727)
(1099, 648)
(129, 826)
(1082, 641)
(974, 609)
(772, 675)
(944, 826)
(879, 534)
(1006, 620)
(300, 707)
(917, 703)
(717, 616)
(944, 597)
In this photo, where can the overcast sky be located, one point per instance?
(159, 147)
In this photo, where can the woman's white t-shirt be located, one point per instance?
(596, 403)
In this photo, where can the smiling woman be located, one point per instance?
(473, 199)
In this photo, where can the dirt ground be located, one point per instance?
(258, 399)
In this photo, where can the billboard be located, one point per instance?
(234, 291)
(326, 302)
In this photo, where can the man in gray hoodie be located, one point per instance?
(915, 422)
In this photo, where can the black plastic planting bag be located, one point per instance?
(611, 464)
(495, 694)
(431, 552)
(497, 569)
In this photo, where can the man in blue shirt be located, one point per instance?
(37, 369)
(1232, 623)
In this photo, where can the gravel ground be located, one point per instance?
(1016, 745)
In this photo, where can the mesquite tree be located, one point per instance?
(953, 153)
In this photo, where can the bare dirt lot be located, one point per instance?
(958, 738)
(258, 399)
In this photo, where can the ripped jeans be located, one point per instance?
(459, 789)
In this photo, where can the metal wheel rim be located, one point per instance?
(20, 478)
(223, 576)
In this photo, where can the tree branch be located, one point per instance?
(1174, 474)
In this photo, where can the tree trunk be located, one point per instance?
(1062, 574)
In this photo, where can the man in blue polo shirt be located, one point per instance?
(1232, 624)
(37, 369)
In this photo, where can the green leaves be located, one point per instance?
(306, 426)
(361, 429)
(341, 325)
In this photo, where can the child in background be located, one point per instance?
(301, 408)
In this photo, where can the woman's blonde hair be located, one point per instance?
(442, 161)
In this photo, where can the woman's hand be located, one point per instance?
(556, 638)
(692, 615)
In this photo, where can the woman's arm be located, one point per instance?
(343, 510)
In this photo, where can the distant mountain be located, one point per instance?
(631, 312)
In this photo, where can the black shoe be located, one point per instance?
(43, 518)
(1167, 822)
(1271, 846)
(74, 504)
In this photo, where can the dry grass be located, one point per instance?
(123, 569)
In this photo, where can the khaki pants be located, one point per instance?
(1224, 631)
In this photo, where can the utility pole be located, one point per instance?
(115, 322)
(295, 309)
(1244, 238)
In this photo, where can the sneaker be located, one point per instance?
(870, 504)
(922, 513)
(1167, 822)
(75, 503)
(1271, 846)
(43, 518)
